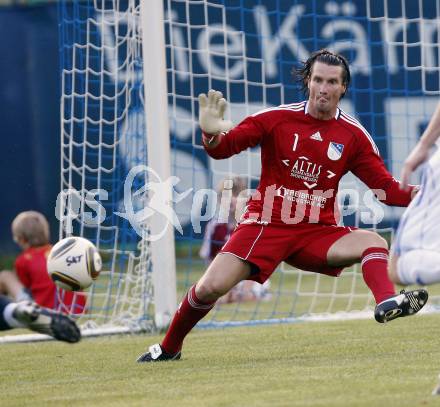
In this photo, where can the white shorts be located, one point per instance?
(419, 227)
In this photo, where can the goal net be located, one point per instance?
(247, 50)
(104, 156)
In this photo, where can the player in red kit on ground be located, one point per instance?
(30, 231)
(306, 148)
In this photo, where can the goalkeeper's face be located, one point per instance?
(325, 90)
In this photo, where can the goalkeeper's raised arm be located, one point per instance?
(218, 138)
(211, 111)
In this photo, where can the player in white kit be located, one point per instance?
(416, 249)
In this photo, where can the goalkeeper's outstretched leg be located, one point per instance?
(42, 320)
(223, 273)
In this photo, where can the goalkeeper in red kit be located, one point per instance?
(306, 148)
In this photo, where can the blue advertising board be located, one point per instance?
(29, 115)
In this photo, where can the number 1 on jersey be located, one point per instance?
(295, 141)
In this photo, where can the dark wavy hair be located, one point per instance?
(302, 74)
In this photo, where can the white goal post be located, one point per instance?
(158, 147)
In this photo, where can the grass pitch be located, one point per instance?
(349, 363)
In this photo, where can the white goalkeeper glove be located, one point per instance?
(211, 111)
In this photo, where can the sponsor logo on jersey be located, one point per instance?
(316, 136)
(253, 220)
(334, 151)
(307, 171)
(302, 197)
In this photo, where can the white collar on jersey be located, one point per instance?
(306, 110)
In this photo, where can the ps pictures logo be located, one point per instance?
(148, 202)
(154, 197)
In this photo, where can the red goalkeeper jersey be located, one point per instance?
(302, 162)
(31, 270)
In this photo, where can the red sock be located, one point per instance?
(374, 269)
(191, 310)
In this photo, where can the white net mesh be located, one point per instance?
(102, 139)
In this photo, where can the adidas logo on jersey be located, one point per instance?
(316, 136)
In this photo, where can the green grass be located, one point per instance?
(349, 363)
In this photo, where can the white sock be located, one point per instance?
(9, 318)
(419, 267)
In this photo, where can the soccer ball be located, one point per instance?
(73, 263)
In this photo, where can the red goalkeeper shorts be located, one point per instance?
(304, 246)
